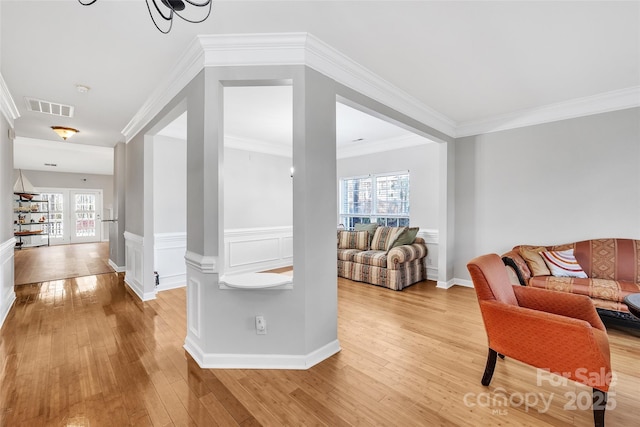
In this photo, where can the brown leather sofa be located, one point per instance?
(612, 267)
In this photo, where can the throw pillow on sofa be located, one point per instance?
(534, 260)
(406, 237)
(563, 264)
(371, 228)
(384, 237)
(353, 240)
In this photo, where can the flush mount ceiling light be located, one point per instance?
(167, 10)
(64, 132)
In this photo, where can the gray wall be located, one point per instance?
(552, 183)
(258, 190)
(421, 162)
(169, 185)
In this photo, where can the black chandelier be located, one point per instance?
(166, 12)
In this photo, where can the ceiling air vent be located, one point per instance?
(53, 108)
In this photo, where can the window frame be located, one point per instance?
(374, 216)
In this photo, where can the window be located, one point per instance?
(381, 198)
(56, 214)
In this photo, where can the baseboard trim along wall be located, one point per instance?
(117, 268)
(7, 293)
(454, 282)
(260, 361)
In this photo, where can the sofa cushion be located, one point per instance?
(406, 237)
(603, 289)
(347, 254)
(563, 263)
(353, 240)
(384, 237)
(531, 255)
(375, 258)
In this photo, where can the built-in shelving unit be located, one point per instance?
(31, 221)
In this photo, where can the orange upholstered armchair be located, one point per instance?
(550, 330)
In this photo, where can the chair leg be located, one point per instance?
(501, 356)
(490, 366)
(599, 405)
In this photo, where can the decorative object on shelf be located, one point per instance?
(168, 9)
(31, 230)
(64, 132)
(23, 187)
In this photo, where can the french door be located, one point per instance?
(85, 211)
(75, 215)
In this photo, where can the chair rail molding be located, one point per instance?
(203, 264)
(7, 293)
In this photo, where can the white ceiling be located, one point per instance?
(467, 60)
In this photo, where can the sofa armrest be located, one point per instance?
(560, 303)
(512, 260)
(405, 253)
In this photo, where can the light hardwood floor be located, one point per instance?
(47, 263)
(83, 352)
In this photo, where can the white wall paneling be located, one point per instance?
(134, 258)
(7, 296)
(431, 239)
(258, 249)
(169, 252)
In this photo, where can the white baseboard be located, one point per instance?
(260, 361)
(137, 289)
(117, 268)
(453, 282)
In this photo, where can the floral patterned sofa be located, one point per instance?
(392, 257)
(610, 271)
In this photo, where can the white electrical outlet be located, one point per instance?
(261, 325)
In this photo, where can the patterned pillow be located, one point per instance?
(384, 237)
(353, 240)
(371, 228)
(531, 255)
(563, 264)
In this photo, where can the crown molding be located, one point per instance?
(306, 49)
(7, 105)
(188, 66)
(281, 49)
(579, 107)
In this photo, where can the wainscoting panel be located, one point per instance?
(168, 259)
(258, 249)
(134, 256)
(431, 238)
(7, 294)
